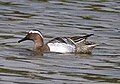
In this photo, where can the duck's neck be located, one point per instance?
(38, 43)
(39, 46)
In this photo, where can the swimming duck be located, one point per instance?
(73, 44)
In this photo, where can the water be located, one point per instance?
(18, 64)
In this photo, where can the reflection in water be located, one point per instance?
(20, 64)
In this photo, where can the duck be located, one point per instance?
(72, 44)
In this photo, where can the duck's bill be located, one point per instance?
(22, 40)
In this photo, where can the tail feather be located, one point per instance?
(92, 46)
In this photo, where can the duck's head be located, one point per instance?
(34, 35)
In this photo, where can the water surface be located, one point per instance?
(18, 63)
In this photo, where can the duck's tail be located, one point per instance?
(92, 46)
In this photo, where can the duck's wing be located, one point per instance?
(61, 45)
(77, 39)
(61, 40)
(70, 40)
(57, 40)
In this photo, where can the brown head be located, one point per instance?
(35, 36)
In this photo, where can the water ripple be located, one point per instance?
(18, 62)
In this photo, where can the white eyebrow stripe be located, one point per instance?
(32, 31)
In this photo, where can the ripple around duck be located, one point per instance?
(18, 62)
